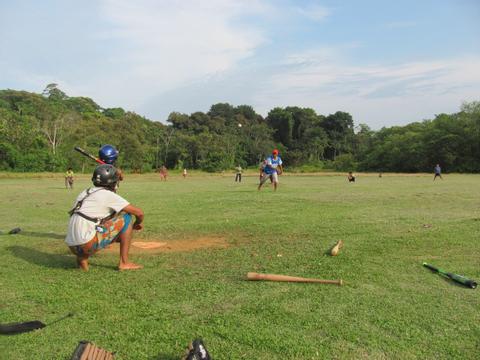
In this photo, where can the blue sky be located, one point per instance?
(386, 62)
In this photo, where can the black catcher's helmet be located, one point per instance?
(105, 176)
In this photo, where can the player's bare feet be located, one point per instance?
(129, 266)
(82, 263)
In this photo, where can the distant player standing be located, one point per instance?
(351, 177)
(271, 170)
(238, 173)
(69, 178)
(438, 172)
(163, 173)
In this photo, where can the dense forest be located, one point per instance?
(38, 133)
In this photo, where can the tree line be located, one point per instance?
(38, 133)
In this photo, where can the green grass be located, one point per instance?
(390, 307)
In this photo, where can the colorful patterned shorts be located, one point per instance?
(107, 233)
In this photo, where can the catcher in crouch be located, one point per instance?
(272, 169)
(101, 217)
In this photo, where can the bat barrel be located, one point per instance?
(462, 280)
(457, 278)
(83, 152)
(285, 278)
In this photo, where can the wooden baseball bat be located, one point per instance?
(336, 248)
(87, 154)
(273, 277)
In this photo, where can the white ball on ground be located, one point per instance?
(239, 125)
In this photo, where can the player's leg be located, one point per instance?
(125, 240)
(263, 179)
(119, 229)
(82, 262)
(275, 181)
(81, 252)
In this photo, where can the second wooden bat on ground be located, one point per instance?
(274, 277)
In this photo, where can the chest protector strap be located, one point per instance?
(78, 205)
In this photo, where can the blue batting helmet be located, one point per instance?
(108, 154)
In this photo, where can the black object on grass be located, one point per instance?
(457, 278)
(21, 327)
(15, 230)
(18, 328)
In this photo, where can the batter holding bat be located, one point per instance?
(107, 154)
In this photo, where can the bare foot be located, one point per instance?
(82, 264)
(129, 266)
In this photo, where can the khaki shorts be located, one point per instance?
(273, 177)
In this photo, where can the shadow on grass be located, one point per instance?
(43, 235)
(37, 257)
(162, 356)
(56, 261)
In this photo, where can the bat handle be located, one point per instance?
(431, 267)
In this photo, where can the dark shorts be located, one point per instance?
(107, 233)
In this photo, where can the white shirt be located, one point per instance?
(98, 204)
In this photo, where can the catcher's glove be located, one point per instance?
(197, 351)
(87, 350)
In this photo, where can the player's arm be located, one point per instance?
(120, 174)
(138, 213)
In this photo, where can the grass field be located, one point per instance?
(390, 307)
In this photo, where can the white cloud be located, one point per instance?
(165, 44)
(314, 12)
(321, 80)
(158, 56)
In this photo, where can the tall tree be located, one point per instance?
(339, 128)
(281, 121)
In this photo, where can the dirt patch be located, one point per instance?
(152, 246)
(148, 245)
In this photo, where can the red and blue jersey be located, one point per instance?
(272, 164)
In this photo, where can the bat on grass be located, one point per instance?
(272, 277)
(13, 231)
(457, 278)
(87, 154)
(336, 248)
(18, 328)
